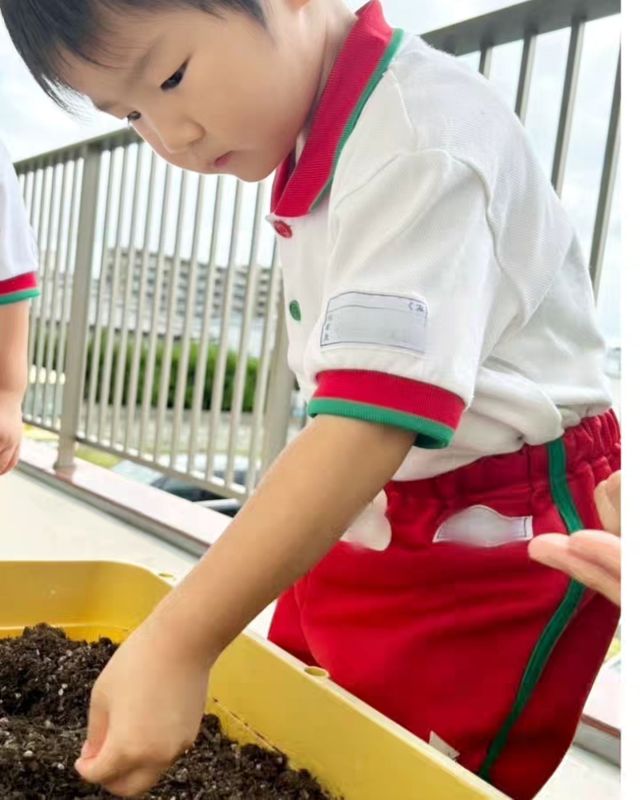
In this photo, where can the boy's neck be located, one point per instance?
(338, 21)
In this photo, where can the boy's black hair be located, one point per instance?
(43, 30)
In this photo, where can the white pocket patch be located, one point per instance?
(480, 526)
(372, 528)
(379, 319)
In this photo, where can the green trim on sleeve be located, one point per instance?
(431, 435)
(18, 297)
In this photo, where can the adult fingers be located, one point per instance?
(550, 549)
(554, 550)
(602, 549)
(607, 498)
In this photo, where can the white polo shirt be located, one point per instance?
(18, 248)
(433, 279)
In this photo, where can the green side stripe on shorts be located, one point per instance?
(551, 635)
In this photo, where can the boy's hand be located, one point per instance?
(591, 557)
(146, 709)
(10, 430)
(148, 703)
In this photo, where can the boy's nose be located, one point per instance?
(178, 138)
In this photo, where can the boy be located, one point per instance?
(18, 264)
(441, 325)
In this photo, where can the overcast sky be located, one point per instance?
(31, 124)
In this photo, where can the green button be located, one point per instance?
(295, 310)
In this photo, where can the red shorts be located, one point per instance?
(477, 646)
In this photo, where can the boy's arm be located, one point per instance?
(14, 332)
(147, 704)
(305, 504)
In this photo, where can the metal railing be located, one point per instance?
(155, 331)
(526, 23)
(160, 333)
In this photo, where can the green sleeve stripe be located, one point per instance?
(17, 297)
(431, 435)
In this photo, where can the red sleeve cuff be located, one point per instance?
(433, 413)
(22, 287)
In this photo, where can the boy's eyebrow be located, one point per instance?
(137, 68)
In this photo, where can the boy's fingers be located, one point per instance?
(4, 461)
(135, 783)
(13, 460)
(98, 726)
(109, 766)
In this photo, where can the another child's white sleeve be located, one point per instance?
(18, 249)
(415, 299)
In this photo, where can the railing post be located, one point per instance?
(607, 184)
(278, 407)
(572, 73)
(80, 302)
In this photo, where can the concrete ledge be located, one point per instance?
(172, 519)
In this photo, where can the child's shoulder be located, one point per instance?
(443, 96)
(430, 101)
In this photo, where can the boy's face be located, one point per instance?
(209, 94)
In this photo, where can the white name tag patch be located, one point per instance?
(480, 526)
(386, 320)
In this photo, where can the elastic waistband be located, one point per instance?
(594, 438)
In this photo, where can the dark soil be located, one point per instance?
(45, 683)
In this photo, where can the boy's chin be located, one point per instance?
(252, 173)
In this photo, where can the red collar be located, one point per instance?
(365, 57)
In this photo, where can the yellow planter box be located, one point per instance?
(260, 693)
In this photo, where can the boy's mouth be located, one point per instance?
(222, 161)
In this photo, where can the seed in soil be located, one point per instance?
(45, 685)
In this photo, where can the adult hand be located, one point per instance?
(590, 557)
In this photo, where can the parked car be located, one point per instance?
(183, 487)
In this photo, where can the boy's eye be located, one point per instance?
(175, 80)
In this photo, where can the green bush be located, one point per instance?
(194, 349)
